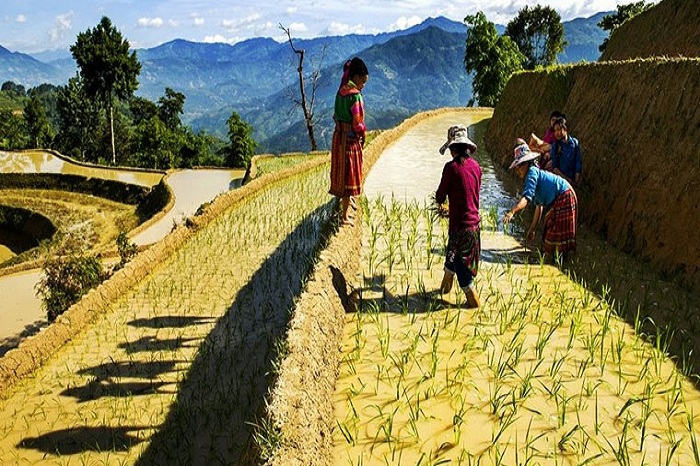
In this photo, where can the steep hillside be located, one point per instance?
(638, 123)
(408, 74)
(670, 28)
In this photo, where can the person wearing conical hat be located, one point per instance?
(554, 200)
(460, 184)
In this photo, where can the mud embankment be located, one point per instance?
(670, 28)
(638, 124)
(300, 408)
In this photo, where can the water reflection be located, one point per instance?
(411, 168)
(45, 162)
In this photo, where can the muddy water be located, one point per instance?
(543, 372)
(20, 312)
(44, 162)
(410, 168)
(192, 188)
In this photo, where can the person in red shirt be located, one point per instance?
(349, 137)
(460, 185)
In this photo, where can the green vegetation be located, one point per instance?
(549, 371)
(96, 114)
(539, 34)
(275, 163)
(491, 57)
(624, 12)
(242, 147)
(66, 277)
(107, 69)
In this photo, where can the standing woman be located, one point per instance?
(550, 193)
(460, 184)
(349, 137)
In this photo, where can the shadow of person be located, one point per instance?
(376, 296)
(81, 439)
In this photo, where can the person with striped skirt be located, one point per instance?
(554, 199)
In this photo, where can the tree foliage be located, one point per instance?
(242, 146)
(492, 59)
(170, 107)
(38, 126)
(13, 132)
(107, 68)
(539, 34)
(613, 21)
(78, 128)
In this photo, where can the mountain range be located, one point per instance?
(410, 70)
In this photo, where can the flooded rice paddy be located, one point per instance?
(549, 370)
(45, 162)
(21, 314)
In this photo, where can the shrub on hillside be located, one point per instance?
(66, 278)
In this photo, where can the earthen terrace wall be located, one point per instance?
(638, 123)
(300, 404)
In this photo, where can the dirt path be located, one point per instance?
(172, 373)
(544, 372)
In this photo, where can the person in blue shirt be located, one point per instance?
(565, 153)
(554, 200)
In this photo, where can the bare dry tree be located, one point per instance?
(307, 105)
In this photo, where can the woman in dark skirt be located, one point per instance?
(460, 184)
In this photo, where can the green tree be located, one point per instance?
(492, 59)
(13, 132)
(106, 67)
(12, 89)
(65, 279)
(623, 13)
(539, 35)
(242, 146)
(154, 145)
(142, 109)
(40, 130)
(48, 96)
(78, 128)
(170, 107)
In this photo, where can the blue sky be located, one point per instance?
(31, 26)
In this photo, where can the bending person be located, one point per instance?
(554, 199)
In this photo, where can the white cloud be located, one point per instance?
(236, 25)
(292, 9)
(404, 23)
(150, 22)
(197, 21)
(218, 38)
(342, 29)
(297, 27)
(62, 24)
(21, 18)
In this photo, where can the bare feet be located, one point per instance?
(447, 280)
(472, 298)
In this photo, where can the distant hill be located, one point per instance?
(408, 74)
(23, 69)
(583, 36)
(411, 70)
